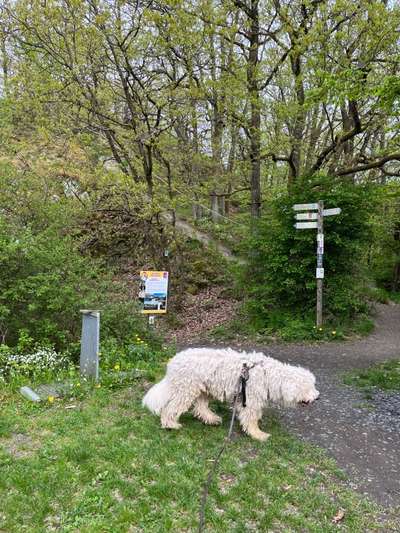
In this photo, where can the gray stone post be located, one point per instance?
(89, 362)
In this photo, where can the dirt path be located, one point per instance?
(364, 440)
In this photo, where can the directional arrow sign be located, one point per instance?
(329, 212)
(305, 225)
(306, 216)
(304, 207)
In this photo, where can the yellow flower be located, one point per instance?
(98, 385)
(319, 329)
(78, 385)
(50, 399)
(117, 367)
(333, 332)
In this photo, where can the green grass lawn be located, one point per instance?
(106, 466)
(384, 376)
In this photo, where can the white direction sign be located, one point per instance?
(305, 225)
(329, 212)
(316, 213)
(304, 207)
(306, 216)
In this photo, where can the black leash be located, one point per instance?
(244, 377)
(240, 390)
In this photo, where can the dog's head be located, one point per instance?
(298, 386)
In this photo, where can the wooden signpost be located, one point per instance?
(316, 213)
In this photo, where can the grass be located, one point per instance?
(289, 328)
(381, 295)
(104, 465)
(384, 376)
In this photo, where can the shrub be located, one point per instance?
(282, 260)
(384, 254)
(45, 281)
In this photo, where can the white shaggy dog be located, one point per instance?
(196, 375)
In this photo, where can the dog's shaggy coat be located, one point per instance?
(196, 375)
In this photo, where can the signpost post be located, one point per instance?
(320, 261)
(316, 214)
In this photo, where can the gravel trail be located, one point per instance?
(363, 436)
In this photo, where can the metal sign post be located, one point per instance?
(317, 219)
(89, 361)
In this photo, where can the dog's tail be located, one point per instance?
(157, 397)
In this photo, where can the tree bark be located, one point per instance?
(255, 109)
(215, 217)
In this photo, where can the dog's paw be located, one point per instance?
(261, 436)
(214, 421)
(172, 426)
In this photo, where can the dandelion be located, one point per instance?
(98, 385)
(117, 367)
(50, 399)
(333, 332)
(78, 385)
(319, 329)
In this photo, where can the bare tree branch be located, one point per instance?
(373, 164)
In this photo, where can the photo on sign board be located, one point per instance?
(153, 292)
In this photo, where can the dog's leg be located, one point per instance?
(178, 404)
(248, 419)
(204, 413)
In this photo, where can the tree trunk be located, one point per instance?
(221, 205)
(197, 211)
(214, 208)
(299, 122)
(396, 277)
(255, 110)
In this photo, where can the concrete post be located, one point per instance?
(89, 361)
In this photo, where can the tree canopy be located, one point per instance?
(200, 98)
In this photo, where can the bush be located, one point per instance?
(282, 260)
(384, 254)
(45, 281)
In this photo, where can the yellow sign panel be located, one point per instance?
(154, 291)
